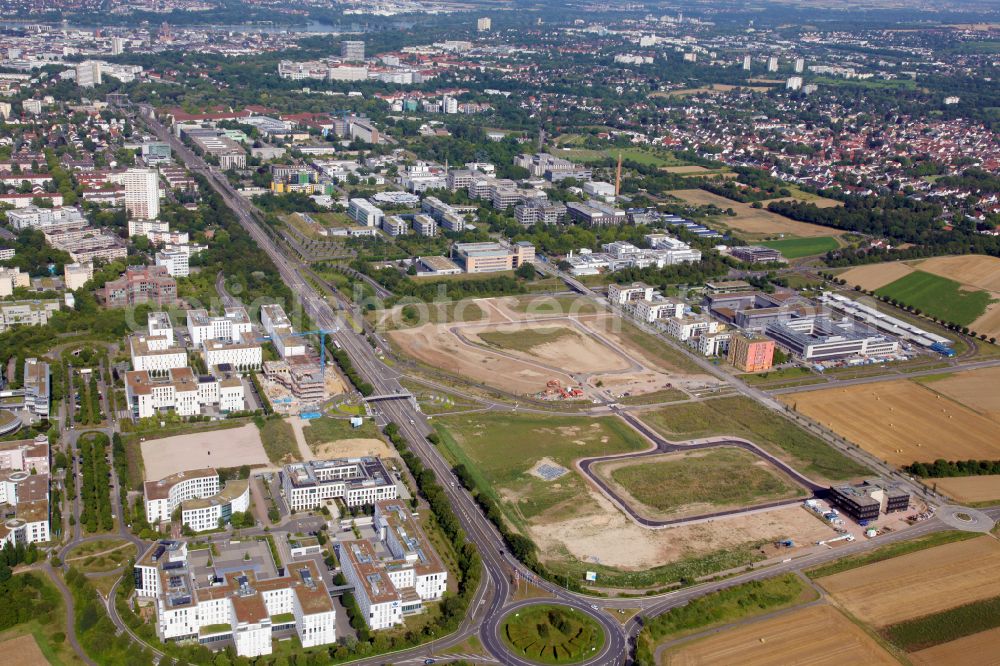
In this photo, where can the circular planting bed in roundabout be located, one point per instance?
(552, 634)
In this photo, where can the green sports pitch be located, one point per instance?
(794, 248)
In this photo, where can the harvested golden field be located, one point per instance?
(901, 421)
(975, 270)
(976, 650)
(921, 583)
(876, 276)
(22, 651)
(973, 388)
(815, 635)
(968, 488)
(754, 220)
(687, 169)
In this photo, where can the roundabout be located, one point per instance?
(965, 518)
(534, 632)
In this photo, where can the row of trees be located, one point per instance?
(942, 468)
(95, 490)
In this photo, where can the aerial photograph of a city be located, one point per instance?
(499, 332)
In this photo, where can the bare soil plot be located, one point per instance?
(231, 447)
(815, 635)
(876, 276)
(354, 448)
(968, 488)
(557, 343)
(754, 220)
(22, 651)
(435, 345)
(902, 422)
(976, 650)
(598, 532)
(921, 583)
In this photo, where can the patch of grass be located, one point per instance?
(326, 429)
(946, 626)
(48, 627)
(938, 296)
(890, 551)
(794, 248)
(718, 477)
(746, 418)
(723, 607)
(779, 374)
(551, 634)
(637, 155)
(279, 441)
(500, 449)
(657, 350)
(547, 306)
(524, 340)
(417, 314)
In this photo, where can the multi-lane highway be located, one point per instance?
(493, 600)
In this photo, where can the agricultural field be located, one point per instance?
(750, 220)
(552, 634)
(919, 584)
(979, 649)
(745, 418)
(574, 525)
(938, 296)
(968, 489)
(796, 248)
(973, 272)
(689, 483)
(22, 651)
(520, 346)
(814, 635)
(902, 421)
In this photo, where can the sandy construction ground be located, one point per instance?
(571, 350)
(968, 488)
(876, 276)
(22, 651)
(975, 389)
(231, 447)
(818, 635)
(593, 354)
(437, 346)
(902, 422)
(921, 583)
(755, 220)
(976, 650)
(597, 535)
(355, 448)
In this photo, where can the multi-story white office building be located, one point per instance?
(175, 261)
(651, 311)
(233, 326)
(391, 586)
(156, 354)
(28, 494)
(684, 327)
(364, 213)
(164, 496)
(239, 356)
(620, 294)
(182, 392)
(279, 328)
(247, 606)
(355, 481)
(142, 193)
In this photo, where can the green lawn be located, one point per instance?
(279, 441)
(946, 626)
(890, 551)
(938, 296)
(326, 429)
(657, 350)
(524, 340)
(722, 607)
(638, 155)
(717, 477)
(746, 418)
(794, 248)
(551, 634)
(500, 449)
(546, 306)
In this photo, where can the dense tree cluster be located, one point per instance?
(942, 468)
